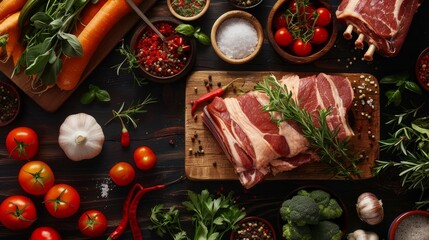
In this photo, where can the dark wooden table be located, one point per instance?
(163, 125)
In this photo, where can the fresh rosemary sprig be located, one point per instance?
(132, 63)
(322, 139)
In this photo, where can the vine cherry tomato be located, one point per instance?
(45, 233)
(22, 143)
(320, 35)
(301, 48)
(306, 10)
(279, 20)
(62, 200)
(92, 223)
(17, 212)
(324, 17)
(36, 177)
(144, 158)
(122, 173)
(283, 37)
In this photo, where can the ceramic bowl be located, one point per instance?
(191, 17)
(152, 75)
(249, 221)
(245, 4)
(239, 15)
(406, 218)
(422, 69)
(342, 221)
(10, 103)
(318, 50)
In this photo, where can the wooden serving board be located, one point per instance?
(213, 164)
(53, 98)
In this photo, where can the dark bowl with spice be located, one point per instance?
(10, 103)
(301, 34)
(253, 228)
(188, 10)
(422, 69)
(245, 4)
(157, 63)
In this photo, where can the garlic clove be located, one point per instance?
(369, 208)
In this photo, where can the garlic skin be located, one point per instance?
(369, 208)
(362, 235)
(81, 137)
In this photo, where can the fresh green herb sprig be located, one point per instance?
(95, 93)
(403, 82)
(3, 42)
(129, 64)
(212, 217)
(189, 30)
(322, 139)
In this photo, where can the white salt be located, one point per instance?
(237, 38)
(414, 227)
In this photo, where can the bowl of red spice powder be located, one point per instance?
(422, 69)
(157, 63)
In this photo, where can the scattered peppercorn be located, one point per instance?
(9, 103)
(423, 69)
(253, 230)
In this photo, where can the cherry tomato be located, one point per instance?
(122, 173)
(36, 177)
(307, 11)
(45, 233)
(62, 201)
(324, 17)
(301, 48)
(279, 20)
(283, 37)
(320, 35)
(144, 158)
(22, 143)
(17, 212)
(92, 223)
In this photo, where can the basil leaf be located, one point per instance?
(391, 79)
(202, 38)
(185, 29)
(87, 97)
(92, 87)
(413, 87)
(394, 96)
(102, 96)
(56, 24)
(38, 64)
(71, 45)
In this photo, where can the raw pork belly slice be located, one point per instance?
(255, 145)
(383, 24)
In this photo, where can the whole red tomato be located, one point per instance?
(36, 177)
(45, 233)
(144, 158)
(283, 37)
(92, 223)
(301, 48)
(279, 20)
(17, 212)
(122, 173)
(22, 143)
(62, 200)
(320, 35)
(324, 17)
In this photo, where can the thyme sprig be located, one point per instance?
(323, 140)
(301, 23)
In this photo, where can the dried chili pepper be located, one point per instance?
(209, 96)
(125, 213)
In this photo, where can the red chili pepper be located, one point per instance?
(125, 137)
(125, 213)
(209, 96)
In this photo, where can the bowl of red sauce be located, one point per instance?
(413, 224)
(422, 69)
(160, 63)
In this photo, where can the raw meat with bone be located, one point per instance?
(255, 145)
(383, 24)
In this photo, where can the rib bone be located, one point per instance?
(369, 53)
(359, 41)
(348, 33)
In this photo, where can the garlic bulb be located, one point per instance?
(81, 137)
(362, 235)
(369, 208)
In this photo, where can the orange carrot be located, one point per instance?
(8, 7)
(11, 22)
(17, 53)
(87, 14)
(12, 41)
(90, 38)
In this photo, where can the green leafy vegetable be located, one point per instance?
(403, 82)
(188, 30)
(95, 93)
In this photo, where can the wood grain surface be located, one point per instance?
(213, 164)
(53, 98)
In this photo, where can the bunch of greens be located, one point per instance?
(403, 82)
(212, 217)
(48, 37)
(323, 140)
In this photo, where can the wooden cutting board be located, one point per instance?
(213, 164)
(53, 98)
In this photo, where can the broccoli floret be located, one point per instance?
(300, 210)
(331, 211)
(293, 232)
(320, 197)
(303, 192)
(326, 230)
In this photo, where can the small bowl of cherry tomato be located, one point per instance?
(301, 31)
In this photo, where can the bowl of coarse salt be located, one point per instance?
(237, 37)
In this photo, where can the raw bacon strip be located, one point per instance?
(255, 145)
